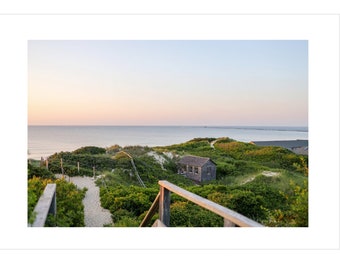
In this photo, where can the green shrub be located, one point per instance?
(187, 214)
(35, 171)
(90, 150)
(86, 163)
(127, 221)
(120, 213)
(70, 209)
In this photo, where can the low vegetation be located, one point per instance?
(267, 184)
(70, 209)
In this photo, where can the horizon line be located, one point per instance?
(155, 125)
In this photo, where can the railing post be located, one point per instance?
(53, 207)
(164, 206)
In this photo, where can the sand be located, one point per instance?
(95, 215)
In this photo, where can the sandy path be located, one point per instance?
(95, 215)
(265, 173)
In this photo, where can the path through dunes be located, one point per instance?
(95, 215)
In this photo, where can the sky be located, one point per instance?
(168, 82)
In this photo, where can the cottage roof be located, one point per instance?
(194, 160)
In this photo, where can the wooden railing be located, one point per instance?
(162, 203)
(46, 205)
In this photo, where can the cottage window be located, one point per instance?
(190, 169)
(196, 170)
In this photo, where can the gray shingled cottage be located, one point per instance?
(196, 168)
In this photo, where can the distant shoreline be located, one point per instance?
(297, 146)
(44, 141)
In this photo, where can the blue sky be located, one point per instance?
(187, 82)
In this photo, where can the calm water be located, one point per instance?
(44, 141)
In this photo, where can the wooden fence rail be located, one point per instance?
(46, 205)
(153, 209)
(231, 218)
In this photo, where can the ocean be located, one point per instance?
(44, 141)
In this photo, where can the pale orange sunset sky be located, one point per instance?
(198, 82)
